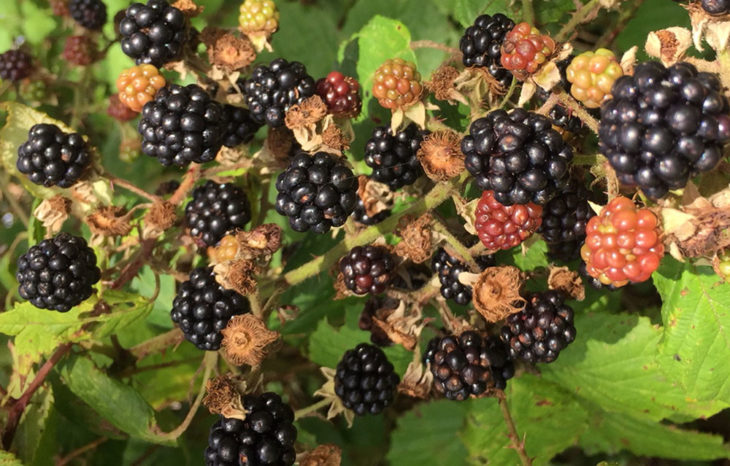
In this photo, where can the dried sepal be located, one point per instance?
(628, 60)
(713, 29)
(237, 275)
(569, 282)
(442, 85)
(440, 155)
(159, 218)
(403, 328)
(52, 212)
(324, 455)
(417, 381)
(416, 238)
(496, 293)
(226, 50)
(223, 396)
(188, 7)
(109, 221)
(327, 391)
(376, 197)
(246, 340)
(668, 45)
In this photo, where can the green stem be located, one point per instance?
(457, 246)
(510, 91)
(568, 101)
(300, 413)
(528, 13)
(577, 18)
(516, 443)
(433, 199)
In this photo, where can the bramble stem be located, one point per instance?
(568, 101)
(456, 245)
(516, 443)
(130, 187)
(157, 344)
(300, 413)
(429, 44)
(528, 12)
(577, 18)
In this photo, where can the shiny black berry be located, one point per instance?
(448, 269)
(317, 192)
(393, 158)
(716, 7)
(51, 157)
(271, 90)
(91, 14)
(518, 155)
(265, 437)
(240, 127)
(481, 44)
(15, 65)
(182, 125)
(541, 330)
(365, 380)
(154, 33)
(202, 308)
(57, 273)
(216, 210)
(367, 269)
(564, 222)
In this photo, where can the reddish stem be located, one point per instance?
(132, 269)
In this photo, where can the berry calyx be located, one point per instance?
(481, 45)
(623, 244)
(138, 85)
(260, 16)
(525, 50)
(91, 14)
(592, 75)
(51, 157)
(503, 227)
(341, 94)
(15, 65)
(154, 33)
(367, 269)
(365, 380)
(80, 50)
(215, 210)
(394, 158)
(397, 84)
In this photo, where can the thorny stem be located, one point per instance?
(429, 44)
(131, 187)
(517, 444)
(300, 413)
(610, 35)
(157, 344)
(16, 410)
(508, 95)
(577, 18)
(454, 244)
(132, 269)
(528, 12)
(191, 176)
(578, 109)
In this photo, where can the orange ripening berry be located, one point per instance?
(592, 75)
(623, 244)
(138, 85)
(525, 50)
(397, 84)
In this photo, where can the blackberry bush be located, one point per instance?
(367, 269)
(482, 42)
(448, 268)
(365, 380)
(91, 14)
(215, 210)
(393, 157)
(518, 155)
(503, 227)
(154, 34)
(317, 192)
(51, 157)
(202, 309)
(663, 126)
(58, 273)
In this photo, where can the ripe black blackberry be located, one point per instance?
(271, 90)
(468, 365)
(481, 44)
(564, 221)
(663, 126)
(202, 308)
(367, 269)
(51, 157)
(154, 33)
(15, 65)
(361, 216)
(182, 125)
(240, 127)
(716, 7)
(216, 210)
(393, 158)
(91, 14)
(448, 269)
(266, 436)
(518, 155)
(541, 330)
(365, 380)
(317, 192)
(57, 273)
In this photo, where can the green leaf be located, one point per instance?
(31, 429)
(118, 403)
(126, 310)
(533, 257)
(37, 23)
(695, 347)
(466, 11)
(427, 434)
(8, 459)
(144, 284)
(552, 11)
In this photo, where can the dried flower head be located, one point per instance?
(376, 197)
(417, 381)
(441, 84)
(52, 213)
(109, 221)
(496, 293)
(226, 50)
(324, 455)
(416, 241)
(224, 397)
(333, 137)
(569, 282)
(237, 275)
(160, 217)
(280, 143)
(440, 155)
(307, 114)
(246, 339)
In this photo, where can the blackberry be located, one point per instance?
(592, 75)
(216, 209)
(397, 84)
(154, 33)
(481, 44)
(504, 227)
(518, 155)
(138, 85)
(367, 269)
(15, 65)
(469, 365)
(525, 50)
(431, 348)
(51, 157)
(317, 192)
(361, 216)
(716, 7)
(663, 126)
(341, 94)
(91, 14)
(80, 50)
(182, 125)
(365, 380)
(560, 116)
(266, 436)
(378, 336)
(541, 330)
(271, 90)
(57, 273)
(564, 221)
(448, 269)
(240, 127)
(202, 308)
(393, 157)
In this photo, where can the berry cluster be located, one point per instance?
(564, 222)
(317, 192)
(518, 155)
(258, 16)
(271, 90)
(154, 33)
(469, 365)
(51, 157)
(622, 244)
(503, 227)
(524, 50)
(80, 50)
(592, 75)
(15, 65)
(397, 84)
(240, 127)
(182, 125)
(341, 94)
(138, 85)
(393, 158)
(541, 330)
(91, 14)
(57, 273)
(664, 125)
(367, 269)
(266, 436)
(448, 268)
(202, 309)
(481, 45)
(365, 380)
(216, 209)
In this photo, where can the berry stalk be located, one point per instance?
(517, 444)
